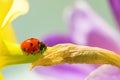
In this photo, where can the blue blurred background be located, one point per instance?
(44, 17)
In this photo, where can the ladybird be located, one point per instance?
(33, 46)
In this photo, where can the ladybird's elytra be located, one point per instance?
(32, 46)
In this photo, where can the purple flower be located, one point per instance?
(115, 6)
(86, 28)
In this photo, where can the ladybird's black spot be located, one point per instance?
(24, 49)
(33, 51)
(31, 44)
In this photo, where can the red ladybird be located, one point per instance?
(32, 46)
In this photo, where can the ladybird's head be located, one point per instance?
(33, 46)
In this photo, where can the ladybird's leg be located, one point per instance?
(27, 54)
(33, 54)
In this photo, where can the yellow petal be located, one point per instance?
(1, 77)
(5, 6)
(16, 57)
(75, 54)
(8, 34)
(19, 7)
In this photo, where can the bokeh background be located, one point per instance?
(44, 17)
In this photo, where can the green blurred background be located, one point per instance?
(44, 17)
